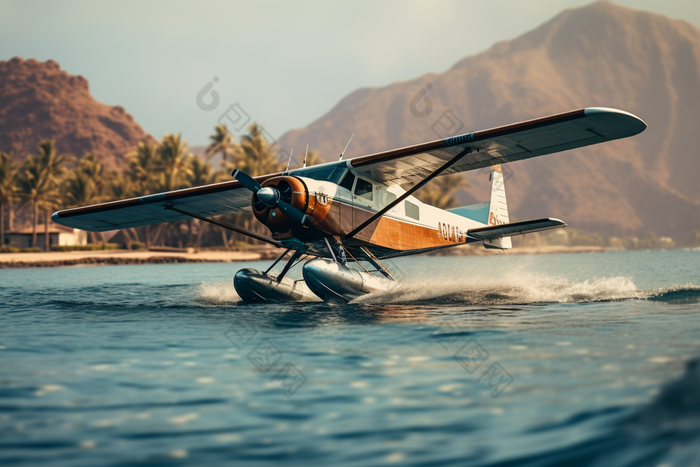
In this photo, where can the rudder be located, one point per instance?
(498, 208)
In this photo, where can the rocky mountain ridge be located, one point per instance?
(38, 101)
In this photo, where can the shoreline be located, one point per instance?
(122, 257)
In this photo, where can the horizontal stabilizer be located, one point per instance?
(515, 228)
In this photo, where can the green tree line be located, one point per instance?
(47, 181)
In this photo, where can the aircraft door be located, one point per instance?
(363, 200)
(345, 202)
(363, 195)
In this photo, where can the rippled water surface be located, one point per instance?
(580, 359)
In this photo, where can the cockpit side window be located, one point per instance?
(348, 180)
(363, 189)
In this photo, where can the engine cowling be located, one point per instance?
(291, 190)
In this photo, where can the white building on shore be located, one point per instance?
(58, 235)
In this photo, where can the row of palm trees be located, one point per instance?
(34, 183)
(48, 181)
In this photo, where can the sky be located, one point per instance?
(284, 63)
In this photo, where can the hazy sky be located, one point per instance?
(285, 62)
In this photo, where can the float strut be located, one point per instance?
(277, 261)
(330, 249)
(289, 264)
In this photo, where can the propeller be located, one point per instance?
(246, 180)
(269, 196)
(294, 213)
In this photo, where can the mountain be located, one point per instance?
(40, 101)
(598, 55)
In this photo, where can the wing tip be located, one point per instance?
(55, 217)
(557, 221)
(637, 124)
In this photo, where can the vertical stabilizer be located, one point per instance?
(498, 212)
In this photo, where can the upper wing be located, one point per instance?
(575, 129)
(402, 166)
(206, 201)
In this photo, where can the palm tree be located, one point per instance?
(53, 163)
(54, 166)
(8, 189)
(173, 166)
(35, 188)
(120, 187)
(221, 141)
(173, 163)
(141, 172)
(80, 190)
(91, 165)
(255, 156)
(38, 184)
(440, 192)
(85, 185)
(141, 167)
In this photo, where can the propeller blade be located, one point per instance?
(293, 213)
(246, 180)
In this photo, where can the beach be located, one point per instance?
(116, 257)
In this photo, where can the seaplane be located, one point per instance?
(342, 218)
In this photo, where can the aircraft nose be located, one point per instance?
(269, 196)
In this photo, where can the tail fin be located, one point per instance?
(498, 209)
(494, 212)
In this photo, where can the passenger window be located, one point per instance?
(363, 189)
(412, 211)
(348, 180)
(388, 198)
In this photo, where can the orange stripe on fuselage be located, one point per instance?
(341, 219)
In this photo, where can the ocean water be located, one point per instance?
(578, 359)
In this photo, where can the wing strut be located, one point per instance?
(228, 226)
(412, 190)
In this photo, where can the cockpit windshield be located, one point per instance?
(330, 173)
